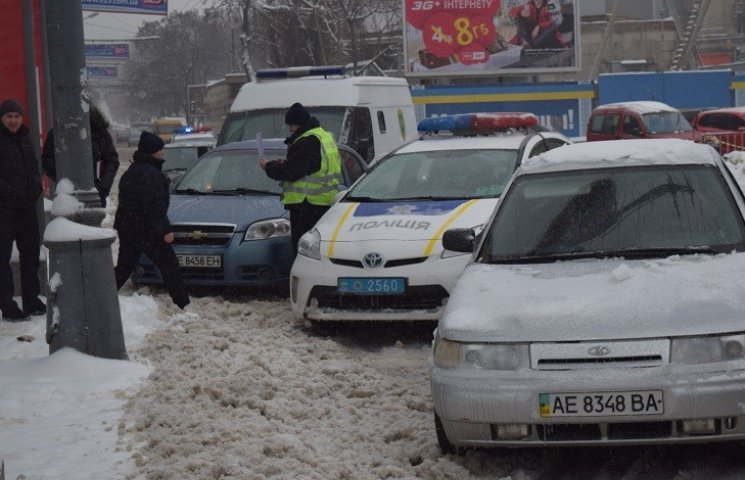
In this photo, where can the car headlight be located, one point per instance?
(309, 245)
(276, 227)
(692, 350)
(483, 356)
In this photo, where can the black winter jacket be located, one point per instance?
(102, 149)
(303, 156)
(20, 181)
(143, 201)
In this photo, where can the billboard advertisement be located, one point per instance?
(107, 51)
(448, 38)
(102, 72)
(157, 7)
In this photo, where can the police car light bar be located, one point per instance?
(297, 72)
(478, 123)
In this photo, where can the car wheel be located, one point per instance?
(442, 439)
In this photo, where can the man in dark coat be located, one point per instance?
(310, 172)
(142, 219)
(20, 188)
(104, 154)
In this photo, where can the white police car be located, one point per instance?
(377, 253)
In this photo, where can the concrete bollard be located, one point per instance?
(83, 304)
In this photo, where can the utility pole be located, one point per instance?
(82, 305)
(71, 125)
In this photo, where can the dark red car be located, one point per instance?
(722, 126)
(638, 119)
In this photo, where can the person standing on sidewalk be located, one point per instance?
(309, 175)
(103, 151)
(141, 219)
(20, 189)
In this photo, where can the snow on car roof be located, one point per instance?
(617, 153)
(641, 107)
(447, 142)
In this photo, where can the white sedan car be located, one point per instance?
(377, 253)
(605, 304)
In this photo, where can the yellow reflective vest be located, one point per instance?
(320, 187)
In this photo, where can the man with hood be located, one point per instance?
(105, 156)
(142, 219)
(309, 175)
(20, 189)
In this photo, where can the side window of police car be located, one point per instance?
(545, 145)
(352, 166)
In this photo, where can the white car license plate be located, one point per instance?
(596, 404)
(197, 261)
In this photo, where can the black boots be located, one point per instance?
(37, 307)
(12, 313)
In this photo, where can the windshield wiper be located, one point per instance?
(189, 191)
(425, 197)
(253, 191)
(365, 199)
(539, 256)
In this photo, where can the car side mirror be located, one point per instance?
(636, 132)
(459, 240)
(342, 191)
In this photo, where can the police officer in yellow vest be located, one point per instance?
(309, 175)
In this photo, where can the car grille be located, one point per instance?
(609, 432)
(202, 234)
(599, 354)
(389, 264)
(150, 273)
(426, 297)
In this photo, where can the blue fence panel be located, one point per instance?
(683, 90)
(701, 89)
(627, 87)
(564, 107)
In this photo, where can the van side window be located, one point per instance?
(360, 136)
(604, 124)
(381, 122)
(631, 126)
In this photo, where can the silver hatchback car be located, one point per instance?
(604, 304)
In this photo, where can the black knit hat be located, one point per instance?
(297, 115)
(9, 106)
(150, 143)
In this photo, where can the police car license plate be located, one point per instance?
(199, 261)
(596, 404)
(371, 285)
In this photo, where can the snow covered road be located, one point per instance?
(241, 390)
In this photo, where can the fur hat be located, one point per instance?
(297, 115)
(150, 143)
(9, 106)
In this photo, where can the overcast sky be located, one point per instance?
(123, 26)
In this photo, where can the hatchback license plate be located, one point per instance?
(372, 285)
(199, 261)
(601, 404)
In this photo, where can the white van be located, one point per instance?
(373, 115)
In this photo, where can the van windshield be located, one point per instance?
(666, 122)
(271, 123)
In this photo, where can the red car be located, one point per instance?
(723, 126)
(638, 119)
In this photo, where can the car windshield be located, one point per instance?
(666, 122)
(630, 212)
(179, 158)
(271, 123)
(437, 174)
(229, 171)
